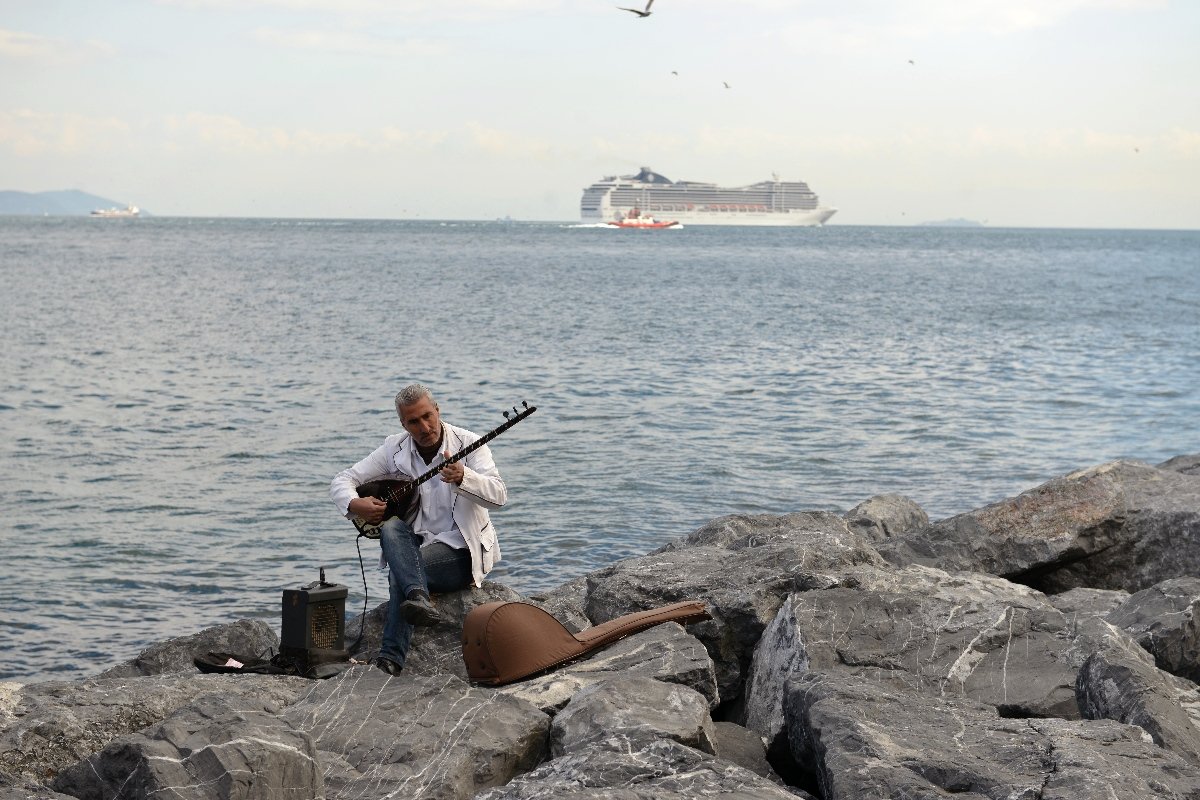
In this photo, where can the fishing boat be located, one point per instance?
(635, 219)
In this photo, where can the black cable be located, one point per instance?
(363, 627)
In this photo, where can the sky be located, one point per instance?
(1028, 113)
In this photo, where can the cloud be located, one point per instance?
(935, 17)
(347, 42)
(231, 135)
(509, 144)
(33, 133)
(866, 26)
(385, 9)
(21, 46)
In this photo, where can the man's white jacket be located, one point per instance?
(481, 488)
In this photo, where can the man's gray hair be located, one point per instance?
(411, 394)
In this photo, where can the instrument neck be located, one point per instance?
(472, 447)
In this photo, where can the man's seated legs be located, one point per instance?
(413, 572)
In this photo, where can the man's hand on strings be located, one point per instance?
(368, 509)
(452, 473)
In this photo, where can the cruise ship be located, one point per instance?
(772, 202)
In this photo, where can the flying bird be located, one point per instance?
(727, 86)
(912, 62)
(673, 72)
(642, 14)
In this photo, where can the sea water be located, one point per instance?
(177, 393)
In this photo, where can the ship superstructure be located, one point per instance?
(772, 202)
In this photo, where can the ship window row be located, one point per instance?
(723, 205)
(638, 196)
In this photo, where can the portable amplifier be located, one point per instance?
(314, 618)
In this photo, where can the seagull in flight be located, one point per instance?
(642, 14)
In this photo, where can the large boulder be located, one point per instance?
(741, 567)
(863, 740)
(26, 790)
(417, 737)
(1163, 620)
(1188, 465)
(661, 769)
(1122, 525)
(252, 638)
(665, 652)
(634, 710)
(217, 748)
(743, 747)
(923, 630)
(886, 515)
(47, 727)
(1081, 603)
(1119, 681)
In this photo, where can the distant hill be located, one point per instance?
(66, 203)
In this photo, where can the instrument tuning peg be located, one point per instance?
(505, 414)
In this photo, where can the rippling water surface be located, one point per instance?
(177, 393)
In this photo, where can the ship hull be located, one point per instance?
(795, 219)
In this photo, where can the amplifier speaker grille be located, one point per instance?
(314, 617)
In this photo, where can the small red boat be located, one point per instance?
(634, 219)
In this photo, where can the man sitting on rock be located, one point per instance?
(446, 541)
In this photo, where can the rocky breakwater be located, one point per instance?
(1045, 646)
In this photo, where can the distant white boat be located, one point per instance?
(127, 211)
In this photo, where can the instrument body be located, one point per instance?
(399, 494)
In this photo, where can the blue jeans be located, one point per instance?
(436, 567)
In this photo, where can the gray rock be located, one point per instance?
(629, 712)
(47, 727)
(417, 736)
(660, 770)
(1122, 525)
(1119, 681)
(741, 567)
(745, 748)
(886, 515)
(24, 790)
(1083, 602)
(1188, 465)
(863, 740)
(665, 652)
(218, 747)
(923, 630)
(249, 637)
(1163, 620)
(566, 604)
(436, 650)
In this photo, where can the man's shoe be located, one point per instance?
(418, 610)
(388, 666)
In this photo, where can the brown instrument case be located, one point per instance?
(505, 642)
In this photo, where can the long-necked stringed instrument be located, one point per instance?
(399, 494)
